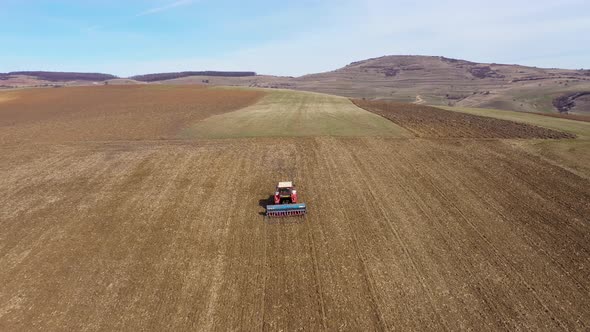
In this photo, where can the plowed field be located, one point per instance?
(402, 234)
(131, 112)
(426, 121)
(406, 234)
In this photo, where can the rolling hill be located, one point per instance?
(431, 80)
(444, 81)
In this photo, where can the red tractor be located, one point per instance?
(285, 193)
(285, 202)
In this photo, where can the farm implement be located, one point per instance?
(285, 202)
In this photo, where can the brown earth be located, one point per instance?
(405, 234)
(103, 227)
(568, 102)
(438, 80)
(431, 122)
(582, 106)
(111, 112)
(451, 82)
(577, 117)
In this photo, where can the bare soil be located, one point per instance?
(104, 228)
(130, 112)
(576, 117)
(438, 80)
(422, 235)
(426, 121)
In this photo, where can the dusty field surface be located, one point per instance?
(288, 113)
(576, 117)
(580, 128)
(430, 122)
(573, 155)
(405, 234)
(111, 112)
(119, 212)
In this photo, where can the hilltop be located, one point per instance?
(445, 81)
(431, 80)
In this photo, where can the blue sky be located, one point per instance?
(285, 37)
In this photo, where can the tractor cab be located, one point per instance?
(285, 193)
(285, 202)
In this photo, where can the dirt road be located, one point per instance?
(419, 100)
(406, 234)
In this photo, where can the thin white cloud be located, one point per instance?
(169, 6)
(333, 36)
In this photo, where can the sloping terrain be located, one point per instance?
(579, 128)
(574, 155)
(437, 81)
(111, 112)
(289, 113)
(426, 121)
(59, 76)
(572, 101)
(431, 80)
(403, 233)
(18, 79)
(576, 117)
(170, 76)
(444, 81)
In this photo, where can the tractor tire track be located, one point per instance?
(408, 234)
(355, 163)
(365, 274)
(432, 220)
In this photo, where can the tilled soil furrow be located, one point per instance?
(439, 239)
(381, 251)
(375, 302)
(510, 238)
(430, 122)
(409, 234)
(375, 199)
(541, 209)
(309, 160)
(500, 257)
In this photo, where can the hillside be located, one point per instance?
(169, 76)
(444, 81)
(438, 81)
(47, 78)
(421, 79)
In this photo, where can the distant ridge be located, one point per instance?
(60, 76)
(170, 76)
(433, 80)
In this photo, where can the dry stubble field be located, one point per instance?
(403, 233)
